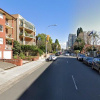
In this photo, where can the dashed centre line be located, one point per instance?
(74, 82)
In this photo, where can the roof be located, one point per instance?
(7, 14)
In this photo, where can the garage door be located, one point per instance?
(0, 54)
(7, 55)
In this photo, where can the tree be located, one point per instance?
(41, 42)
(79, 30)
(54, 46)
(80, 44)
(16, 48)
(56, 41)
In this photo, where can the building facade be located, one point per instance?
(86, 37)
(71, 39)
(6, 34)
(25, 31)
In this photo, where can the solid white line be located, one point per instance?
(74, 82)
(67, 61)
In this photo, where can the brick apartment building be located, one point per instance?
(14, 27)
(6, 34)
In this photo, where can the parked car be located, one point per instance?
(80, 57)
(66, 54)
(51, 58)
(84, 59)
(88, 60)
(96, 64)
(57, 54)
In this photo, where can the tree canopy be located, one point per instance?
(79, 30)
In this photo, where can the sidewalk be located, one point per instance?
(9, 77)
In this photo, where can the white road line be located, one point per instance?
(67, 61)
(74, 82)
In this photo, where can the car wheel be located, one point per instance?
(99, 71)
(92, 67)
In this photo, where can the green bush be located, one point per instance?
(15, 57)
(40, 51)
(54, 52)
(37, 50)
(22, 55)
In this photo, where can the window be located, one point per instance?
(1, 15)
(1, 40)
(1, 28)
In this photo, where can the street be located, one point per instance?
(64, 79)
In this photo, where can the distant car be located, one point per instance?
(88, 60)
(80, 57)
(51, 58)
(72, 54)
(96, 64)
(57, 54)
(66, 54)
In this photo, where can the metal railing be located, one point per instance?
(8, 24)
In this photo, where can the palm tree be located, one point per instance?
(81, 43)
(95, 36)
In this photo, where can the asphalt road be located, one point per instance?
(64, 79)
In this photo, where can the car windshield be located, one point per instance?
(90, 58)
(82, 55)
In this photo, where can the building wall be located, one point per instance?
(2, 34)
(85, 36)
(71, 39)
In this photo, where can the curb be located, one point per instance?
(15, 80)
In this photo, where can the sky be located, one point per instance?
(69, 15)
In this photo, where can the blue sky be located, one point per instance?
(67, 14)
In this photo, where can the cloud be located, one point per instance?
(63, 45)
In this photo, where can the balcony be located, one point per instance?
(21, 26)
(8, 25)
(21, 42)
(9, 36)
(20, 34)
(27, 35)
(8, 47)
(29, 27)
(28, 43)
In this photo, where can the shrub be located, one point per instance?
(54, 52)
(22, 55)
(15, 57)
(37, 50)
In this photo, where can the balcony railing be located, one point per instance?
(20, 34)
(8, 25)
(29, 35)
(21, 42)
(28, 43)
(9, 36)
(8, 47)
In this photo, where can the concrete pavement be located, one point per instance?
(9, 77)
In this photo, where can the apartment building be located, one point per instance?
(6, 34)
(71, 39)
(86, 37)
(25, 31)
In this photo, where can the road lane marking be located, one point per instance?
(67, 61)
(74, 82)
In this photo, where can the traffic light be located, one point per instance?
(48, 38)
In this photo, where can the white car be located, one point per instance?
(66, 54)
(51, 58)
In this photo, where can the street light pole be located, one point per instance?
(46, 39)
